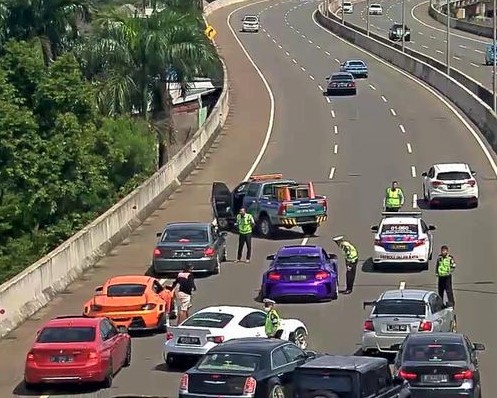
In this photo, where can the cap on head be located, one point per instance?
(268, 302)
(338, 238)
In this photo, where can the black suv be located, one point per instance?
(335, 376)
(396, 31)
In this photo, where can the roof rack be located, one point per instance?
(262, 177)
(401, 214)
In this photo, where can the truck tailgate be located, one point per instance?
(309, 207)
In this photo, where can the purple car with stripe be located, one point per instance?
(301, 272)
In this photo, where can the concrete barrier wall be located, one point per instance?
(479, 112)
(33, 288)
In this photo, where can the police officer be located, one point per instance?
(273, 321)
(394, 198)
(351, 258)
(245, 223)
(445, 267)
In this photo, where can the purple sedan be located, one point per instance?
(301, 272)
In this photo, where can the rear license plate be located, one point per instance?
(435, 378)
(397, 328)
(399, 247)
(182, 254)
(454, 186)
(62, 359)
(189, 340)
(298, 277)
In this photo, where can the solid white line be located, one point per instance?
(335, 149)
(332, 113)
(311, 77)
(414, 201)
(413, 171)
(409, 148)
(320, 87)
(335, 129)
(402, 285)
(402, 128)
(461, 118)
(372, 87)
(392, 111)
(384, 99)
(328, 100)
(332, 173)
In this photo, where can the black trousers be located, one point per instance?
(445, 286)
(244, 239)
(350, 275)
(392, 209)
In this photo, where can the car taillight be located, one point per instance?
(274, 276)
(30, 356)
(157, 252)
(465, 375)
(282, 209)
(215, 339)
(209, 252)
(407, 375)
(436, 184)
(420, 242)
(183, 384)
(93, 355)
(351, 84)
(471, 183)
(321, 275)
(249, 387)
(368, 326)
(323, 203)
(148, 307)
(95, 308)
(425, 326)
(169, 336)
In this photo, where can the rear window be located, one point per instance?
(399, 229)
(126, 290)
(341, 77)
(453, 175)
(347, 4)
(230, 362)
(356, 63)
(400, 307)
(250, 19)
(309, 260)
(69, 334)
(208, 320)
(324, 379)
(435, 352)
(185, 235)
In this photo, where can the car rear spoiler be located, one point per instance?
(401, 214)
(368, 304)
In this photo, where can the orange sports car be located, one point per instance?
(135, 302)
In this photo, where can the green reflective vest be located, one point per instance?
(445, 265)
(350, 252)
(272, 323)
(394, 198)
(245, 223)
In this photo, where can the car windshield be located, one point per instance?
(399, 229)
(374, 6)
(453, 175)
(341, 78)
(444, 352)
(186, 235)
(229, 362)
(400, 307)
(126, 290)
(299, 259)
(67, 334)
(208, 320)
(345, 4)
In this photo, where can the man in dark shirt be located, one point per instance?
(183, 287)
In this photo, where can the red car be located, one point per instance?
(77, 349)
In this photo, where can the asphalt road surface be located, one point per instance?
(352, 147)
(430, 36)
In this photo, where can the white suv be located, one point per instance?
(348, 7)
(446, 182)
(250, 23)
(375, 9)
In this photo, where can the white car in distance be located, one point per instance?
(375, 9)
(450, 182)
(250, 23)
(214, 325)
(348, 7)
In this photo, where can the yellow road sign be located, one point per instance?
(210, 32)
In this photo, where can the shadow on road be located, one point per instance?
(368, 266)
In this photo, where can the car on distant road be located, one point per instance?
(134, 302)
(245, 367)
(341, 83)
(196, 243)
(490, 54)
(301, 272)
(250, 23)
(440, 365)
(348, 7)
(450, 182)
(402, 238)
(356, 67)
(77, 349)
(375, 9)
(396, 32)
(214, 325)
(397, 313)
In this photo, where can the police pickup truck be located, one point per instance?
(273, 201)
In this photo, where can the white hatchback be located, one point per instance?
(348, 7)
(375, 9)
(250, 23)
(450, 182)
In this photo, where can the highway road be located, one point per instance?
(430, 36)
(352, 147)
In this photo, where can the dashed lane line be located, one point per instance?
(372, 87)
(413, 171)
(332, 173)
(384, 98)
(409, 148)
(392, 111)
(402, 128)
(335, 129)
(414, 201)
(335, 149)
(332, 113)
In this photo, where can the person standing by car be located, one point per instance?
(245, 224)
(183, 288)
(273, 321)
(444, 269)
(394, 198)
(351, 259)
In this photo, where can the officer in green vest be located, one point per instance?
(394, 198)
(273, 321)
(244, 223)
(445, 267)
(351, 259)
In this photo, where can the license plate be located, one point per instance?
(454, 186)
(399, 247)
(435, 378)
(62, 359)
(189, 340)
(397, 328)
(182, 254)
(298, 277)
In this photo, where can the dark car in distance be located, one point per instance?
(247, 367)
(396, 32)
(341, 83)
(440, 365)
(196, 243)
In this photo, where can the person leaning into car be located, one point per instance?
(273, 320)
(183, 287)
(351, 258)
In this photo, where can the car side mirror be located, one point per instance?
(473, 173)
(424, 174)
(332, 256)
(158, 234)
(432, 227)
(374, 228)
(327, 78)
(99, 289)
(271, 257)
(479, 347)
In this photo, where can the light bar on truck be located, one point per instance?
(262, 177)
(401, 214)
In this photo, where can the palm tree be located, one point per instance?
(132, 59)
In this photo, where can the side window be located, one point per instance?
(104, 330)
(436, 303)
(325, 255)
(278, 358)
(157, 287)
(370, 384)
(385, 380)
(424, 227)
(267, 190)
(242, 188)
(293, 353)
(111, 330)
(431, 173)
(214, 233)
(252, 191)
(253, 320)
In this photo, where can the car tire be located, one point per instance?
(323, 394)
(425, 266)
(309, 229)
(127, 360)
(299, 338)
(265, 228)
(473, 205)
(276, 390)
(109, 378)
(163, 323)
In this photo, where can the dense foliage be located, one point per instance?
(69, 147)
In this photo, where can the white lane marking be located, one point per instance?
(302, 68)
(409, 148)
(304, 241)
(402, 128)
(460, 45)
(303, 36)
(320, 88)
(420, 33)
(402, 285)
(311, 77)
(384, 98)
(439, 51)
(263, 29)
(287, 53)
(479, 52)
(424, 46)
(461, 118)
(372, 87)
(318, 47)
(332, 173)
(328, 100)
(432, 37)
(337, 60)
(327, 53)
(473, 64)
(294, 61)
(268, 35)
(414, 201)
(413, 171)
(335, 149)
(392, 111)
(297, 31)
(274, 41)
(332, 113)
(456, 58)
(335, 129)
(310, 41)
(269, 130)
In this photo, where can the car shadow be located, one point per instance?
(172, 275)
(283, 234)
(162, 367)
(56, 390)
(423, 205)
(304, 300)
(389, 357)
(367, 266)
